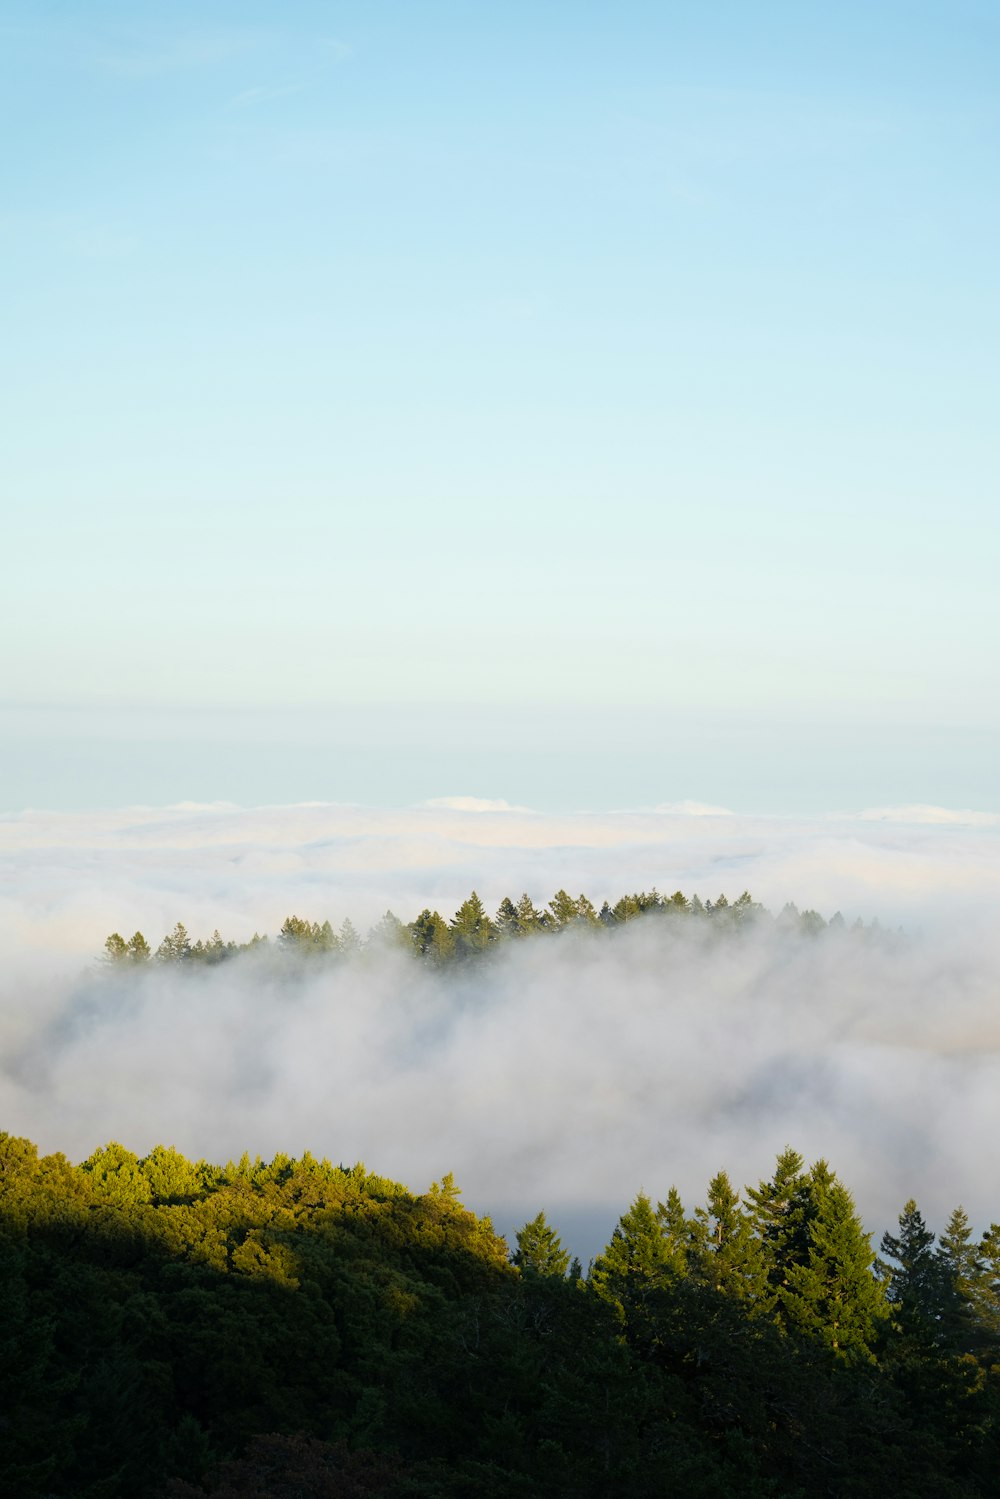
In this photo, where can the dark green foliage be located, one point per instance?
(292, 1328)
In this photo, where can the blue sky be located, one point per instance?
(403, 401)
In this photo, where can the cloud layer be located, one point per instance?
(567, 1072)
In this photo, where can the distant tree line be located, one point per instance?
(471, 932)
(270, 1329)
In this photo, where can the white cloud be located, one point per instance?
(921, 813)
(567, 1074)
(694, 809)
(472, 804)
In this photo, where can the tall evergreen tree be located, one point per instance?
(637, 1261)
(728, 1254)
(916, 1285)
(564, 910)
(176, 946)
(779, 1211)
(539, 1249)
(677, 1231)
(833, 1295)
(964, 1278)
(529, 918)
(433, 939)
(472, 929)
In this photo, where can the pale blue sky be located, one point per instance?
(621, 377)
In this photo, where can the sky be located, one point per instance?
(583, 406)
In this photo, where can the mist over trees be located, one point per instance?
(294, 1327)
(471, 932)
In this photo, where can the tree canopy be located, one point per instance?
(283, 1327)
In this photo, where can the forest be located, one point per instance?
(291, 1327)
(472, 932)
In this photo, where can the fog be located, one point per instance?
(565, 1072)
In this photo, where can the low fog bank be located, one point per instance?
(67, 880)
(562, 1072)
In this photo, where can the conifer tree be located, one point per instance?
(963, 1271)
(505, 921)
(779, 1211)
(677, 1231)
(539, 1249)
(138, 949)
(729, 1256)
(115, 948)
(988, 1297)
(472, 928)
(529, 918)
(176, 946)
(833, 1295)
(389, 932)
(564, 910)
(585, 913)
(347, 939)
(432, 937)
(916, 1285)
(637, 1260)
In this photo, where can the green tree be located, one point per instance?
(432, 937)
(677, 1231)
(729, 1256)
(115, 948)
(472, 929)
(779, 1212)
(833, 1295)
(117, 1176)
(505, 922)
(529, 918)
(637, 1260)
(539, 1249)
(564, 910)
(176, 946)
(390, 934)
(169, 1174)
(347, 940)
(964, 1276)
(916, 1281)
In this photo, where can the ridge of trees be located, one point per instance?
(294, 1327)
(472, 932)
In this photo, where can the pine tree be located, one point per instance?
(779, 1212)
(585, 913)
(677, 1231)
(176, 947)
(432, 937)
(389, 933)
(115, 948)
(539, 1249)
(472, 928)
(988, 1296)
(638, 1260)
(347, 939)
(964, 1276)
(728, 1255)
(505, 921)
(564, 910)
(529, 918)
(916, 1285)
(833, 1295)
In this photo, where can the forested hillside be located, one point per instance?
(293, 1327)
(472, 931)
